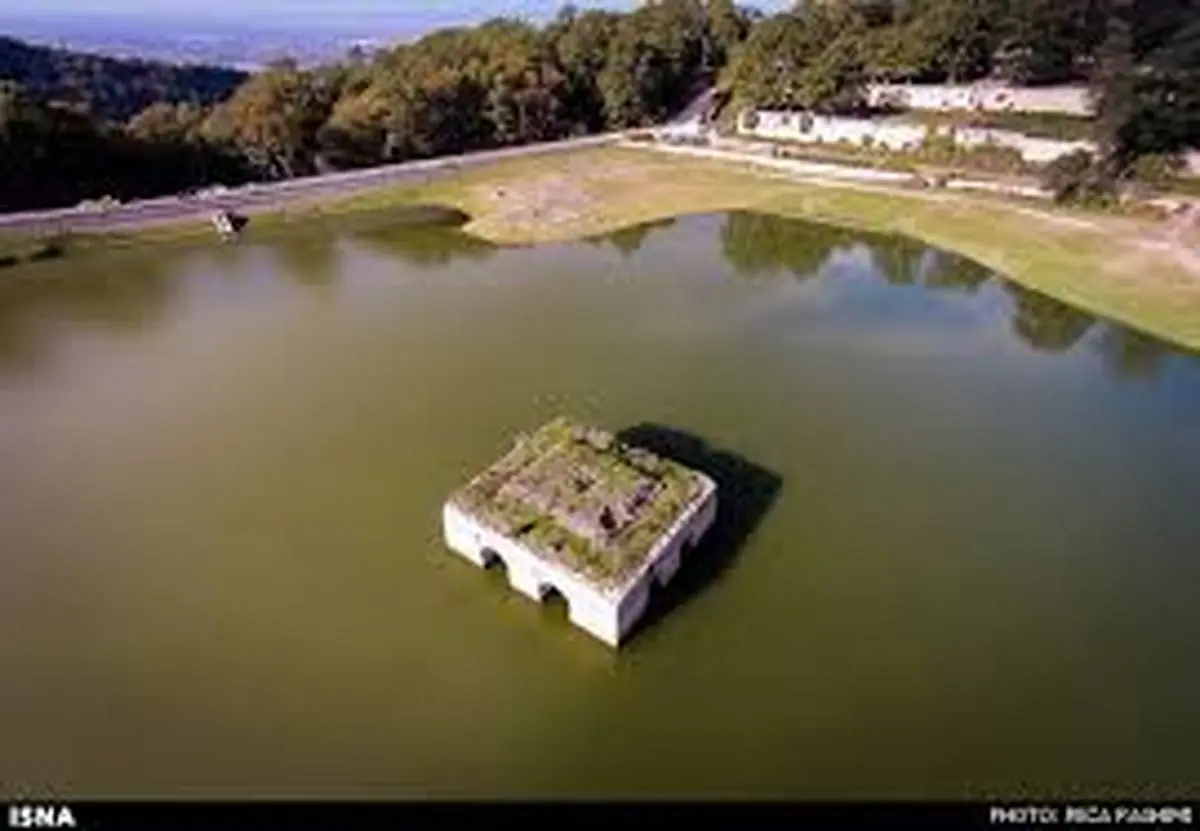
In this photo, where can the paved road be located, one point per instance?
(274, 196)
(699, 108)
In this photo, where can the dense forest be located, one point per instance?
(111, 87)
(75, 127)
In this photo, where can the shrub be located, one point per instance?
(1156, 168)
(1079, 177)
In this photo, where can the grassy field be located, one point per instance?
(1117, 267)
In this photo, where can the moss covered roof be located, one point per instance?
(578, 497)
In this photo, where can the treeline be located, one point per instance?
(52, 155)
(1141, 57)
(70, 134)
(501, 83)
(110, 88)
(821, 55)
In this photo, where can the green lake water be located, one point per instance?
(958, 554)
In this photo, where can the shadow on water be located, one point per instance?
(424, 244)
(555, 607)
(121, 293)
(745, 493)
(34, 252)
(313, 261)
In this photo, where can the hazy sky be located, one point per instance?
(310, 10)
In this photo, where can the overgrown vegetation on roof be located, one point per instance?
(577, 496)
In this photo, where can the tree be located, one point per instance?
(727, 27)
(273, 120)
(1147, 84)
(953, 40)
(110, 88)
(581, 44)
(811, 60)
(1042, 41)
(763, 73)
(1079, 177)
(655, 58)
(164, 122)
(835, 80)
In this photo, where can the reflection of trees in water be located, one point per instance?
(762, 245)
(952, 272)
(1044, 323)
(227, 258)
(425, 245)
(765, 245)
(899, 260)
(120, 293)
(313, 260)
(629, 240)
(1131, 354)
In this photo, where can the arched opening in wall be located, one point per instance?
(492, 560)
(686, 547)
(494, 565)
(554, 603)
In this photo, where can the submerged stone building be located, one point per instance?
(571, 509)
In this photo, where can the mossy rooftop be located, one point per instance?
(576, 496)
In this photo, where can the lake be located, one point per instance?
(958, 553)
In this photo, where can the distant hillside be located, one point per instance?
(110, 87)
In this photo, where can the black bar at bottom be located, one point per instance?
(210, 815)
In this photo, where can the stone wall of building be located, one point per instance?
(895, 135)
(609, 616)
(899, 136)
(531, 576)
(1069, 99)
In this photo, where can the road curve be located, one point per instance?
(698, 109)
(269, 197)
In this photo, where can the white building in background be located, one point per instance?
(892, 134)
(985, 96)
